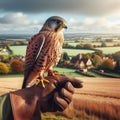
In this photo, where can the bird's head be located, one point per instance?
(55, 23)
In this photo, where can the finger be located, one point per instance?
(60, 102)
(77, 83)
(69, 87)
(61, 80)
(66, 95)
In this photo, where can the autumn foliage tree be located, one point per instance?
(16, 66)
(88, 46)
(3, 68)
(116, 57)
(108, 64)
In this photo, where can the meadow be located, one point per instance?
(21, 50)
(64, 71)
(99, 99)
(109, 50)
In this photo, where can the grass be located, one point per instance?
(94, 74)
(72, 43)
(109, 50)
(21, 50)
(73, 52)
(65, 71)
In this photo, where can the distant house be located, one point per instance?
(80, 62)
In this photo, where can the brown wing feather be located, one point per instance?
(48, 55)
(32, 51)
(31, 54)
(50, 52)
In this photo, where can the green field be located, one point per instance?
(73, 52)
(109, 50)
(65, 71)
(21, 50)
(72, 43)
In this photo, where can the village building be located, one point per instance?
(80, 62)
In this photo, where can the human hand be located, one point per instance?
(57, 95)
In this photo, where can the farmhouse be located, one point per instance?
(80, 62)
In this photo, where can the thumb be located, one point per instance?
(62, 80)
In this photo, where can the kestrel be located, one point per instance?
(44, 51)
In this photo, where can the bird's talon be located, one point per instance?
(43, 85)
(46, 80)
(37, 81)
(42, 82)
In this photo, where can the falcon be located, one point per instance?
(44, 51)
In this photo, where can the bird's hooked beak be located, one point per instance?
(65, 26)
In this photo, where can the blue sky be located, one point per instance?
(83, 16)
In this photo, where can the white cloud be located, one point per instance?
(100, 25)
(17, 18)
(18, 23)
(22, 23)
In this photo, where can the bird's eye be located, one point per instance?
(59, 22)
(56, 21)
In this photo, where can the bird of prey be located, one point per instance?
(44, 51)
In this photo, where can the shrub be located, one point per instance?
(3, 68)
(16, 66)
(108, 64)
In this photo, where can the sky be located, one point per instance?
(82, 16)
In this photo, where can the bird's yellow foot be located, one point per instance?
(53, 73)
(42, 82)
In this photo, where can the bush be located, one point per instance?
(16, 66)
(3, 68)
(108, 64)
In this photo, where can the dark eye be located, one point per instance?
(56, 21)
(59, 22)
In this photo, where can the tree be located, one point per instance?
(99, 53)
(79, 46)
(10, 51)
(65, 57)
(116, 57)
(88, 46)
(16, 66)
(3, 68)
(86, 56)
(108, 64)
(103, 44)
(96, 60)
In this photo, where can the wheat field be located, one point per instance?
(99, 99)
